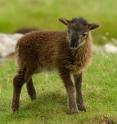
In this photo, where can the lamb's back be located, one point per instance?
(40, 47)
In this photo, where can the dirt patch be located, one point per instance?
(101, 120)
(106, 120)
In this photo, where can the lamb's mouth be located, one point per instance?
(76, 46)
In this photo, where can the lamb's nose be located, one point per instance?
(73, 45)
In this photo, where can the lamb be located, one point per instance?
(67, 52)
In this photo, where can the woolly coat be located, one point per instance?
(50, 50)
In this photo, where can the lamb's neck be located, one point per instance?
(83, 50)
(82, 55)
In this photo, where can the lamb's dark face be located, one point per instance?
(78, 30)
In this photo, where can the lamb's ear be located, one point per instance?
(92, 26)
(64, 21)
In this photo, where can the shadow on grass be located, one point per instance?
(46, 106)
(52, 107)
(46, 101)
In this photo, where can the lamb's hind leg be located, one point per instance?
(18, 82)
(30, 89)
(23, 76)
(79, 97)
(65, 75)
(29, 83)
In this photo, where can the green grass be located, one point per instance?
(99, 87)
(99, 90)
(44, 14)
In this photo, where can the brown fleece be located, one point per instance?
(48, 50)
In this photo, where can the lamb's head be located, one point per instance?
(78, 31)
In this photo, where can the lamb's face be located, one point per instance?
(78, 30)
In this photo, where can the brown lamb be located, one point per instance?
(67, 52)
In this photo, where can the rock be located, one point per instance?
(7, 43)
(108, 48)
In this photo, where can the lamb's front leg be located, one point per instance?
(79, 97)
(65, 75)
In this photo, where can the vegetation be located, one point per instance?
(44, 14)
(99, 89)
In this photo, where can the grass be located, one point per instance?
(44, 14)
(99, 89)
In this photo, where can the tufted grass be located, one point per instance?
(99, 90)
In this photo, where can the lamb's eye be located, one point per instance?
(84, 34)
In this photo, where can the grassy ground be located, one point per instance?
(99, 89)
(44, 14)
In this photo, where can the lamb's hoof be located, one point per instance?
(81, 108)
(33, 97)
(15, 108)
(73, 110)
